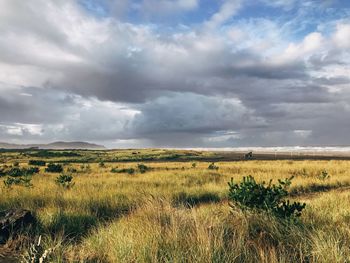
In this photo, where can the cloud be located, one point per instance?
(228, 9)
(166, 7)
(341, 37)
(67, 72)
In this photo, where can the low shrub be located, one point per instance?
(18, 172)
(124, 170)
(261, 197)
(212, 166)
(143, 168)
(65, 181)
(324, 175)
(37, 162)
(25, 181)
(71, 170)
(54, 168)
(193, 199)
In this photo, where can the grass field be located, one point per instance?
(176, 209)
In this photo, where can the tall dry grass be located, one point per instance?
(177, 213)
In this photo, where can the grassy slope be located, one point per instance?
(112, 217)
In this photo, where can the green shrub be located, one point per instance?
(71, 170)
(324, 175)
(193, 199)
(124, 170)
(65, 181)
(85, 168)
(261, 197)
(25, 181)
(54, 168)
(194, 165)
(37, 162)
(32, 170)
(17, 172)
(212, 166)
(143, 168)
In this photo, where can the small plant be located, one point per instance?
(304, 172)
(18, 172)
(16, 164)
(124, 170)
(65, 181)
(261, 197)
(143, 168)
(37, 254)
(15, 172)
(71, 170)
(194, 165)
(25, 181)
(324, 175)
(54, 168)
(101, 164)
(212, 166)
(85, 168)
(37, 162)
(32, 170)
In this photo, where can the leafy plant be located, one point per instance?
(249, 194)
(71, 170)
(31, 170)
(25, 181)
(54, 168)
(37, 162)
(143, 168)
(124, 170)
(65, 180)
(194, 165)
(37, 254)
(212, 166)
(324, 175)
(17, 172)
(101, 164)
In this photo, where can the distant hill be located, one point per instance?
(54, 146)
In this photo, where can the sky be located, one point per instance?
(175, 73)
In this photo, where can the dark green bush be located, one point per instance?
(143, 168)
(37, 162)
(25, 181)
(324, 175)
(54, 168)
(65, 181)
(51, 154)
(261, 197)
(15, 172)
(18, 172)
(71, 170)
(124, 170)
(212, 166)
(193, 199)
(32, 170)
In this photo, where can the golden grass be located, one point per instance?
(117, 217)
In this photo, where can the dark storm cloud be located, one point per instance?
(34, 105)
(69, 73)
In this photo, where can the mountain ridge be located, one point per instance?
(58, 145)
